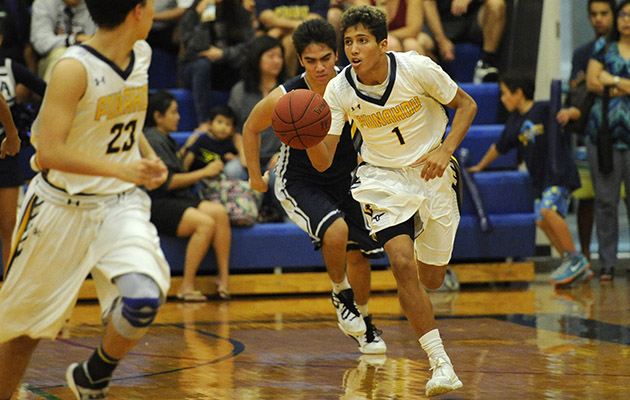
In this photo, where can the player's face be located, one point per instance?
(221, 127)
(319, 62)
(271, 62)
(509, 99)
(363, 52)
(170, 119)
(601, 16)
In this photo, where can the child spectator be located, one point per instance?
(218, 143)
(526, 129)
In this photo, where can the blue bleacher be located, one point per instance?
(462, 68)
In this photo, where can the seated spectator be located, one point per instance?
(404, 21)
(263, 71)
(56, 25)
(177, 211)
(456, 21)
(281, 17)
(212, 35)
(164, 32)
(218, 143)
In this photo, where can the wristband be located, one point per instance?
(616, 80)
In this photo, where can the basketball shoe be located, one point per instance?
(444, 378)
(572, 266)
(348, 316)
(485, 72)
(371, 342)
(96, 390)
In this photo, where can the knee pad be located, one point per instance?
(132, 316)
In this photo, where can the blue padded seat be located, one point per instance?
(502, 192)
(463, 67)
(186, 106)
(487, 96)
(479, 139)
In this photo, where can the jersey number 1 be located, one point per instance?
(399, 135)
(117, 130)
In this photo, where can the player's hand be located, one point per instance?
(435, 162)
(160, 173)
(150, 173)
(261, 184)
(10, 146)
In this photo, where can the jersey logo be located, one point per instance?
(391, 115)
(529, 131)
(100, 80)
(358, 107)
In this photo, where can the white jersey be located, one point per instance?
(108, 118)
(399, 120)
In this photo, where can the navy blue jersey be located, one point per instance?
(207, 149)
(294, 164)
(528, 133)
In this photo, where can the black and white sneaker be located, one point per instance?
(96, 390)
(348, 316)
(485, 72)
(371, 342)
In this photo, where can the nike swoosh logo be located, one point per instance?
(574, 267)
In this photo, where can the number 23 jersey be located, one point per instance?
(108, 119)
(399, 120)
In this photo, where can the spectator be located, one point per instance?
(476, 21)
(164, 33)
(12, 74)
(281, 17)
(608, 70)
(526, 129)
(601, 14)
(177, 211)
(212, 39)
(263, 72)
(17, 26)
(219, 142)
(56, 25)
(404, 21)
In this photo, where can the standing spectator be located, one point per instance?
(177, 211)
(281, 17)
(526, 129)
(164, 32)
(12, 75)
(263, 72)
(212, 34)
(608, 70)
(601, 15)
(477, 21)
(55, 26)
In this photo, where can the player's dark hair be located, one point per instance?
(372, 18)
(111, 13)
(224, 111)
(251, 69)
(611, 3)
(614, 33)
(316, 30)
(516, 79)
(159, 101)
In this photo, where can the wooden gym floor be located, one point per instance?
(507, 341)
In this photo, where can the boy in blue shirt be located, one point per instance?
(526, 130)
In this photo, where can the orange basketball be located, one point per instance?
(301, 118)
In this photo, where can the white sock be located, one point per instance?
(363, 309)
(432, 344)
(339, 286)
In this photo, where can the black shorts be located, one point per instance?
(464, 28)
(166, 213)
(315, 208)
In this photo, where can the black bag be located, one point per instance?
(581, 98)
(604, 139)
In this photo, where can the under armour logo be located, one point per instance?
(99, 80)
(358, 107)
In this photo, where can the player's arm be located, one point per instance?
(67, 85)
(258, 120)
(11, 143)
(436, 161)
(487, 158)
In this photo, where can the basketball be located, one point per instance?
(301, 118)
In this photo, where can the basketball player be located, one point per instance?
(320, 203)
(408, 182)
(83, 213)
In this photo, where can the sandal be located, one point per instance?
(224, 294)
(192, 296)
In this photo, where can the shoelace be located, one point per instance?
(346, 309)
